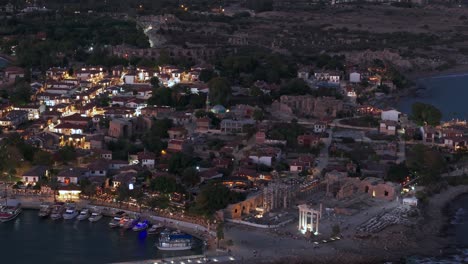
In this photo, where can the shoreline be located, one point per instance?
(455, 70)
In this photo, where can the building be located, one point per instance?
(71, 175)
(306, 105)
(120, 128)
(34, 175)
(355, 77)
(308, 141)
(391, 115)
(235, 126)
(309, 219)
(147, 159)
(388, 127)
(14, 118)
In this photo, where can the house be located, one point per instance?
(235, 126)
(203, 124)
(355, 77)
(309, 141)
(98, 168)
(391, 115)
(117, 164)
(34, 175)
(209, 174)
(175, 145)
(105, 154)
(428, 134)
(260, 137)
(303, 162)
(388, 127)
(14, 118)
(69, 129)
(456, 143)
(71, 175)
(34, 110)
(379, 189)
(265, 155)
(13, 72)
(147, 159)
(76, 119)
(320, 127)
(124, 179)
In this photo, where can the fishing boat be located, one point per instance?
(95, 216)
(171, 241)
(129, 222)
(155, 229)
(84, 214)
(10, 211)
(45, 210)
(140, 226)
(57, 211)
(115, 222)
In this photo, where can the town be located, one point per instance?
(261, 156)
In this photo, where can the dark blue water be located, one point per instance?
(3, 62)
(29, 239)
(449, 93)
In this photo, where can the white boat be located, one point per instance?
(96, 216)
(10, 211)
(174, 241)
(70, 213)
(84, 214)
(140, 226)
(115, 222)
(57, 211)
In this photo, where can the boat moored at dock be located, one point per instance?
(45, 210)
(115, 222)
(10, 211)
(172, 241)
(84, 214)
(57, 211)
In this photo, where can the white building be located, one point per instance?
(391, 115)
(355, 77)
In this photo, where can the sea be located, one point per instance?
(449, 93)
(458, 229)
(30, 239)
(3, 63)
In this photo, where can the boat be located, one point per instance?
(129, 222)
(57, 210)
(155, 229)
(10, 211)
(70, 212)
(171, 241)
(84, 214)
(142, 225)
(45, 210)
(95, 216)
(115, 222)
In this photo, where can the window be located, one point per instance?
(386, 193)
(367, 189)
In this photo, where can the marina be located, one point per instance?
(73, 239)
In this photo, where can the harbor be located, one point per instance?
(72, 241)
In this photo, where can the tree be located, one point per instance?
(206, 75)
(158, 202)
(154, 82)
(190, 176)
(163, 184)
(219, 91)
(424, 114)
(295, 87)
(67, 154)
(123, 193)
(214, 197)
(258, 114)
(21, 93)
(179, 161)
(397, 173)
(162, 96)
(427, 163)
(139, 196)
(335, 230)
(43, 158)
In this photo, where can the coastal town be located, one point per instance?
(230, 147)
